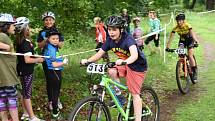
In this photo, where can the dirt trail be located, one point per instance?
(173, 98)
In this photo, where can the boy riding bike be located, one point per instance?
(124, 46)
(187, 37)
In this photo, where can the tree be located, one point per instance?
(210, 4)
(193, 4)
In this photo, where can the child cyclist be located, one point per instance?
(49, 25)
(124, 46)
(187, 37)
(54, 70)
(25, 65)
(8, 75)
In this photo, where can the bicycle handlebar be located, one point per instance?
(108, 65)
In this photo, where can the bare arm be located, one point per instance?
(134, 54)
(57, 64)
(28, 59)
(4, 46)
(170, 40)
(194, 35)
(97, 56)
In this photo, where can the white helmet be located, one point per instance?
(21, 23)
(48, 14)
(136, 19)
(6, 18)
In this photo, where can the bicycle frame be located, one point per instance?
(185, 59)
(106, 82)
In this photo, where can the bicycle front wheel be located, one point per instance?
(182, 77)
(90, 109)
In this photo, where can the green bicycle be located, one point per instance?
(94, 108)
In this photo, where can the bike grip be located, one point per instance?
(124, 63)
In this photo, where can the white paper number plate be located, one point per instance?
(96, 68)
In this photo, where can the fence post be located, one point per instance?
(164, 45)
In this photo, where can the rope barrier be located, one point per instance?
(21, 54)
(206, 12)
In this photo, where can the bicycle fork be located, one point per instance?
(184, 66)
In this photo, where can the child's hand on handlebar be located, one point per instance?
(167, 49)
(119, 62)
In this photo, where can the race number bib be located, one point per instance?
(96, 68)
(180, 51)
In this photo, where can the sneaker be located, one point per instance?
(36, 119)
(50, 106)
(25, 117)
(121, 100)
(194, 75)
(60, 106)
(56, 116)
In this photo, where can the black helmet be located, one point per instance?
(115, 21)
(180, 16)
(52, 32)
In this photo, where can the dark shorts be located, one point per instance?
(188, 43)
(150, 38)
(8, 98)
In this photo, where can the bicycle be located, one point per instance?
(94, 106)
(184, 72)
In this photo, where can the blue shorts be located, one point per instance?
(8, 98)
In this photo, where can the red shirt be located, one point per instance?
(100, 33)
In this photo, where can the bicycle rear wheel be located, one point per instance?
(150, 99)
(90, 109)
(194, 81)
(182, 77)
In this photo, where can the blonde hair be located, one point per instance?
(97, 19)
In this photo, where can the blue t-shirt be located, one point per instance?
(121, 49)
(52, 51)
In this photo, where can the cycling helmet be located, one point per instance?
(6, 18)
(115, 21)
(180, 16)
(136, 19)
(52, 32)
(21, 23)
(48, 14)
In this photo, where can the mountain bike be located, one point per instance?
(94, 107)
(184, 72)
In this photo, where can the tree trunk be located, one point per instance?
(186, 3)
(193, 4)
(210, 4)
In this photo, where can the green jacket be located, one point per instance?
(8, 75)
